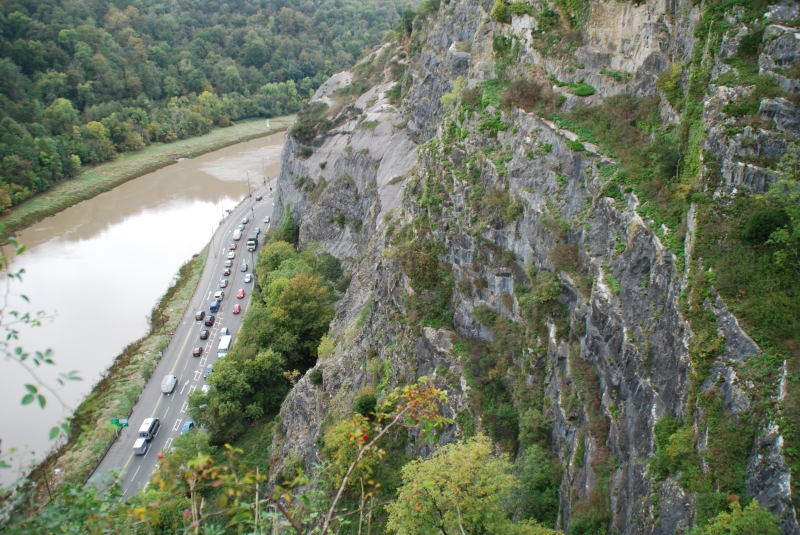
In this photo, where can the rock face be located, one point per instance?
(624, 319)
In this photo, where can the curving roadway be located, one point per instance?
(170, 409)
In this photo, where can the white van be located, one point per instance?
(237, 234)
(149, 428)
(140, 446)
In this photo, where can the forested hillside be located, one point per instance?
(83, 80)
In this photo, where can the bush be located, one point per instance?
(582, 89)
(315, 377)
(540, 479)
(500, 11)
(523, 94)
(394, 93)
(575, 145)
(365, 405)
(306, 152)
(762, 224)
(287, 230)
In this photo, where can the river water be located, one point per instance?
(100, 266)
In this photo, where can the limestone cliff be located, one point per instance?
(509, 200)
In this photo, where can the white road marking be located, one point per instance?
(191, 389)
(184, 385)
(165, 416)
(137, 471)
(175, 427)
(197, 375)
(187, 363)
(185, 407)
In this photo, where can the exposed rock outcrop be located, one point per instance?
(625, 317)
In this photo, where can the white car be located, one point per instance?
(205, 389)
(266, 219)
(248, 278)
(219, 295)
(231, 255)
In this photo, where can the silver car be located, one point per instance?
(248, 278)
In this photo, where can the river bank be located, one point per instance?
(107, 176)
(116, 394)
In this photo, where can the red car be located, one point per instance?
(240, 293)
(226, 271)
(237, 308)
(232, 247)
(196, 352)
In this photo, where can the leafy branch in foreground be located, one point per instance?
(10, 322)
(414, 407)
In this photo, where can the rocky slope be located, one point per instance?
(508, 203)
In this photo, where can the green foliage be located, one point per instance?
(521, 8)
(280, 333)
(460, 484)
(766, 87)
(576, 145)
(365, 405)
(432, 281)
(670, 84)
(751, 520)
(500, 11)
(760, 226)
(85, 81)
(540, 478)
(287, 230)
(315, 377)
(579, 89)
(394, 93)
(577, 11)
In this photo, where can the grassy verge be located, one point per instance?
(119, 390)
(106, 176)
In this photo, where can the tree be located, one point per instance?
(752, 520)
(460, 489)
(786, 195)
(540, 479)
(60, 116)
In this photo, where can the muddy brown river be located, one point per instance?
(100, 266)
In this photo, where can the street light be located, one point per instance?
(248, 183)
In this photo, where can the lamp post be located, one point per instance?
(248, 183)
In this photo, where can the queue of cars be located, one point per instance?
(150, 426)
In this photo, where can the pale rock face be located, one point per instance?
(639, 355)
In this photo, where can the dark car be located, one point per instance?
(226, 271)
(259, 197)
(200, 315)
(196, 352)
(244, 266)
(209, 320)
(204, 334)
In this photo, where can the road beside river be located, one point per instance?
(101, 265)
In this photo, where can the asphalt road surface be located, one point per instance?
(170, 409)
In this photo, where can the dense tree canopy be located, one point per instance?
(82, 80)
